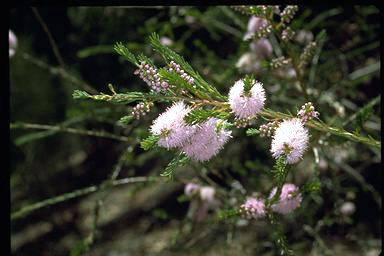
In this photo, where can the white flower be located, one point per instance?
(291, 140)
(171, 128)
(207, 193)
(246, 105)
(12, 43)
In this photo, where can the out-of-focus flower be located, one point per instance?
(166, 41)
(290, 199)
(347, 208)
(171, 128)
(254, 25)
(253, 208)
(246, 104)
(207, 193)
(303, 37)
(290, 140)
(191, 189)
(199, 209)
(207, 141)
(12, 43)
(249, 63)
(262, 48)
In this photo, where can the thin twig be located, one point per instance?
(101, 134)
(74, 194)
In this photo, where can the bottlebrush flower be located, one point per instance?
(244, 105)
(253, 208)
(207, 140)
(290, 199)
(291, 140)
(171, 128)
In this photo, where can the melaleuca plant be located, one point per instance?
(200, 120)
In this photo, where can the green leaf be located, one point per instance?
(179, 160)
(77, 94)
(123, 51)
(199, 115)
(126, 119)
(252, 132)
(149, 142)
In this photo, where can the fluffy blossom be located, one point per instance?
(207, 140)
(246, 105)
(289, 200)
(171, 128)
(253, 207)
(290, 139)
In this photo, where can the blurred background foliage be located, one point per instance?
(147, 218)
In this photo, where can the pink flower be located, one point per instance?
(291, 140)
(191, 188)
(253, 208)
(254, 25)
(246, 105)
(290, 199)
(171, 128)
(262, 48)
(207, 141)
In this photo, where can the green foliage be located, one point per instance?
(178, 161)
(252, 132)
(249, 81)
(126, 119)
(199, 115)
(123, 51)
(149, 142)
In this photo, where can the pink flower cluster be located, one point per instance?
(255, 24)
(290, 199)
(307, 112)
(151, 76)
(291, 140)
(199, 209)
(253, 208)
(268, 129)
(173, 66)
(246, 105)
(199, 142)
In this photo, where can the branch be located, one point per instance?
(101, 134)
(76, 193)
